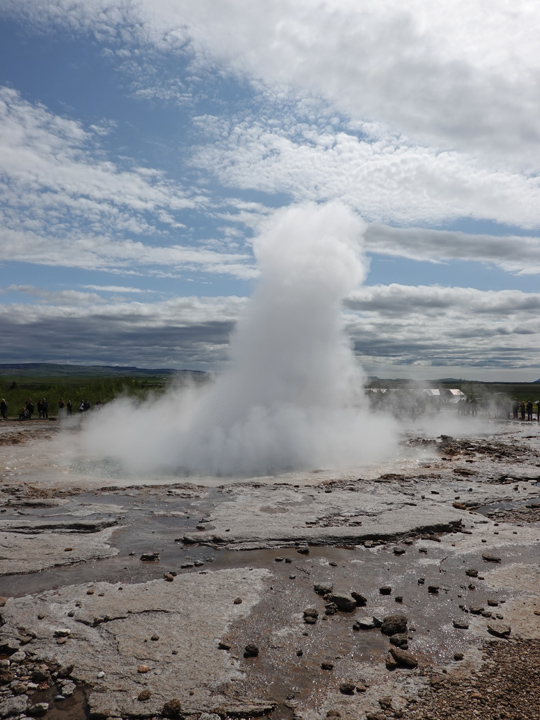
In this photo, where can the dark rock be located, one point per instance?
(385, 590)
(400, 640)
(458, 656)
(40, 674)
(347, 688)
(323, 588)
(65, 671)
(330, 608)
(251, 650)
(169, 577)
(461, 624)
(327, 665)
(303, 550)
(393, 624)
(144, 695)
(399, 551)
(361, 601)
(344, 602)
(38, 709)
(398, 598)
(493, 603)
(310, 620)
(237, 601)
(385, 702)
(311, 612)
(333, 713)
(150, 557)
(489, 557)
(155, 638)
(471, 572)
(172, 709)
(476, 610)
(222, 645)
(404, 658)
(19, 689)
(375, 716)
(390, 662)
(6, 676)
(433, 589)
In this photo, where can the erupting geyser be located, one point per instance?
(292, 397)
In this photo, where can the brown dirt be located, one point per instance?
(506, 688)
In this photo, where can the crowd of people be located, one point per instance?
(65, 409)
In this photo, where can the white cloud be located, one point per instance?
(387, 179)
(512, 253)
(460, 75)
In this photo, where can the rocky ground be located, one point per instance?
(411, 591)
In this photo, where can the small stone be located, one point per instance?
(323, 588)
(476, 610)
(361, 601)
(404, 658)
(251, 650)
(155, 638)
(399, 640)
(365, 623)
(344, 602)
(433, 589)
(498, 629)
(237, 601)
(385, 590)
(490, 557)
(390, 662)
(144, 695)
(150, 557)
(310, 620)
(333, 713)
(19, 688)
(385, 702)
(143, 669)
(172, 709)
(68, 549)
(347, 688)
(311, 612)
(393, 624)
(187, 565)
(461, 624)
(222, 645)
(330, 608)
(458, 656)
(421, 581)
(90, 591)
(327, 665)
(38, 709)
(493, 603)
(3, 601)
(398, 598)
(399, 551)
(303, 550)
(169, 577)
(299, 653)
(471, 572)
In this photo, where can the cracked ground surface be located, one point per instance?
(451, 530)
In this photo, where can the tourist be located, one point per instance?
(529, 410)
(60, 409)
(69, 407)
(3, 409)
(29, 407)
(40, 409)
(522, 409)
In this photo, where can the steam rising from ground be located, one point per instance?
(292, 397)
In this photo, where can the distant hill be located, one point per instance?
(57, 370)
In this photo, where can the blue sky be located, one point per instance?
(143, 143)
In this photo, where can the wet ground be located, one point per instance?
(451, 528)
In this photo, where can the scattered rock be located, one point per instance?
(251, 650)
(393, 624)
(433, 589)
(365, 623)
(385, 590)
(144, 695)
(471, 572)
(327, 665)
(150, 557)
(347, 688)
(38, 709)
(237, 601)
(344, 602)
(490, 557)
(458, 656)
(143, 669)
(400, 641)
(499, 629)
(323, 588)
(13, 706)
(461, 624)
(404, 658)
(172, 709)
(361, 601)
(155, 638)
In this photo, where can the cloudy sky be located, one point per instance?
(142, 143)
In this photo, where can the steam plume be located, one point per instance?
(292, 397)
